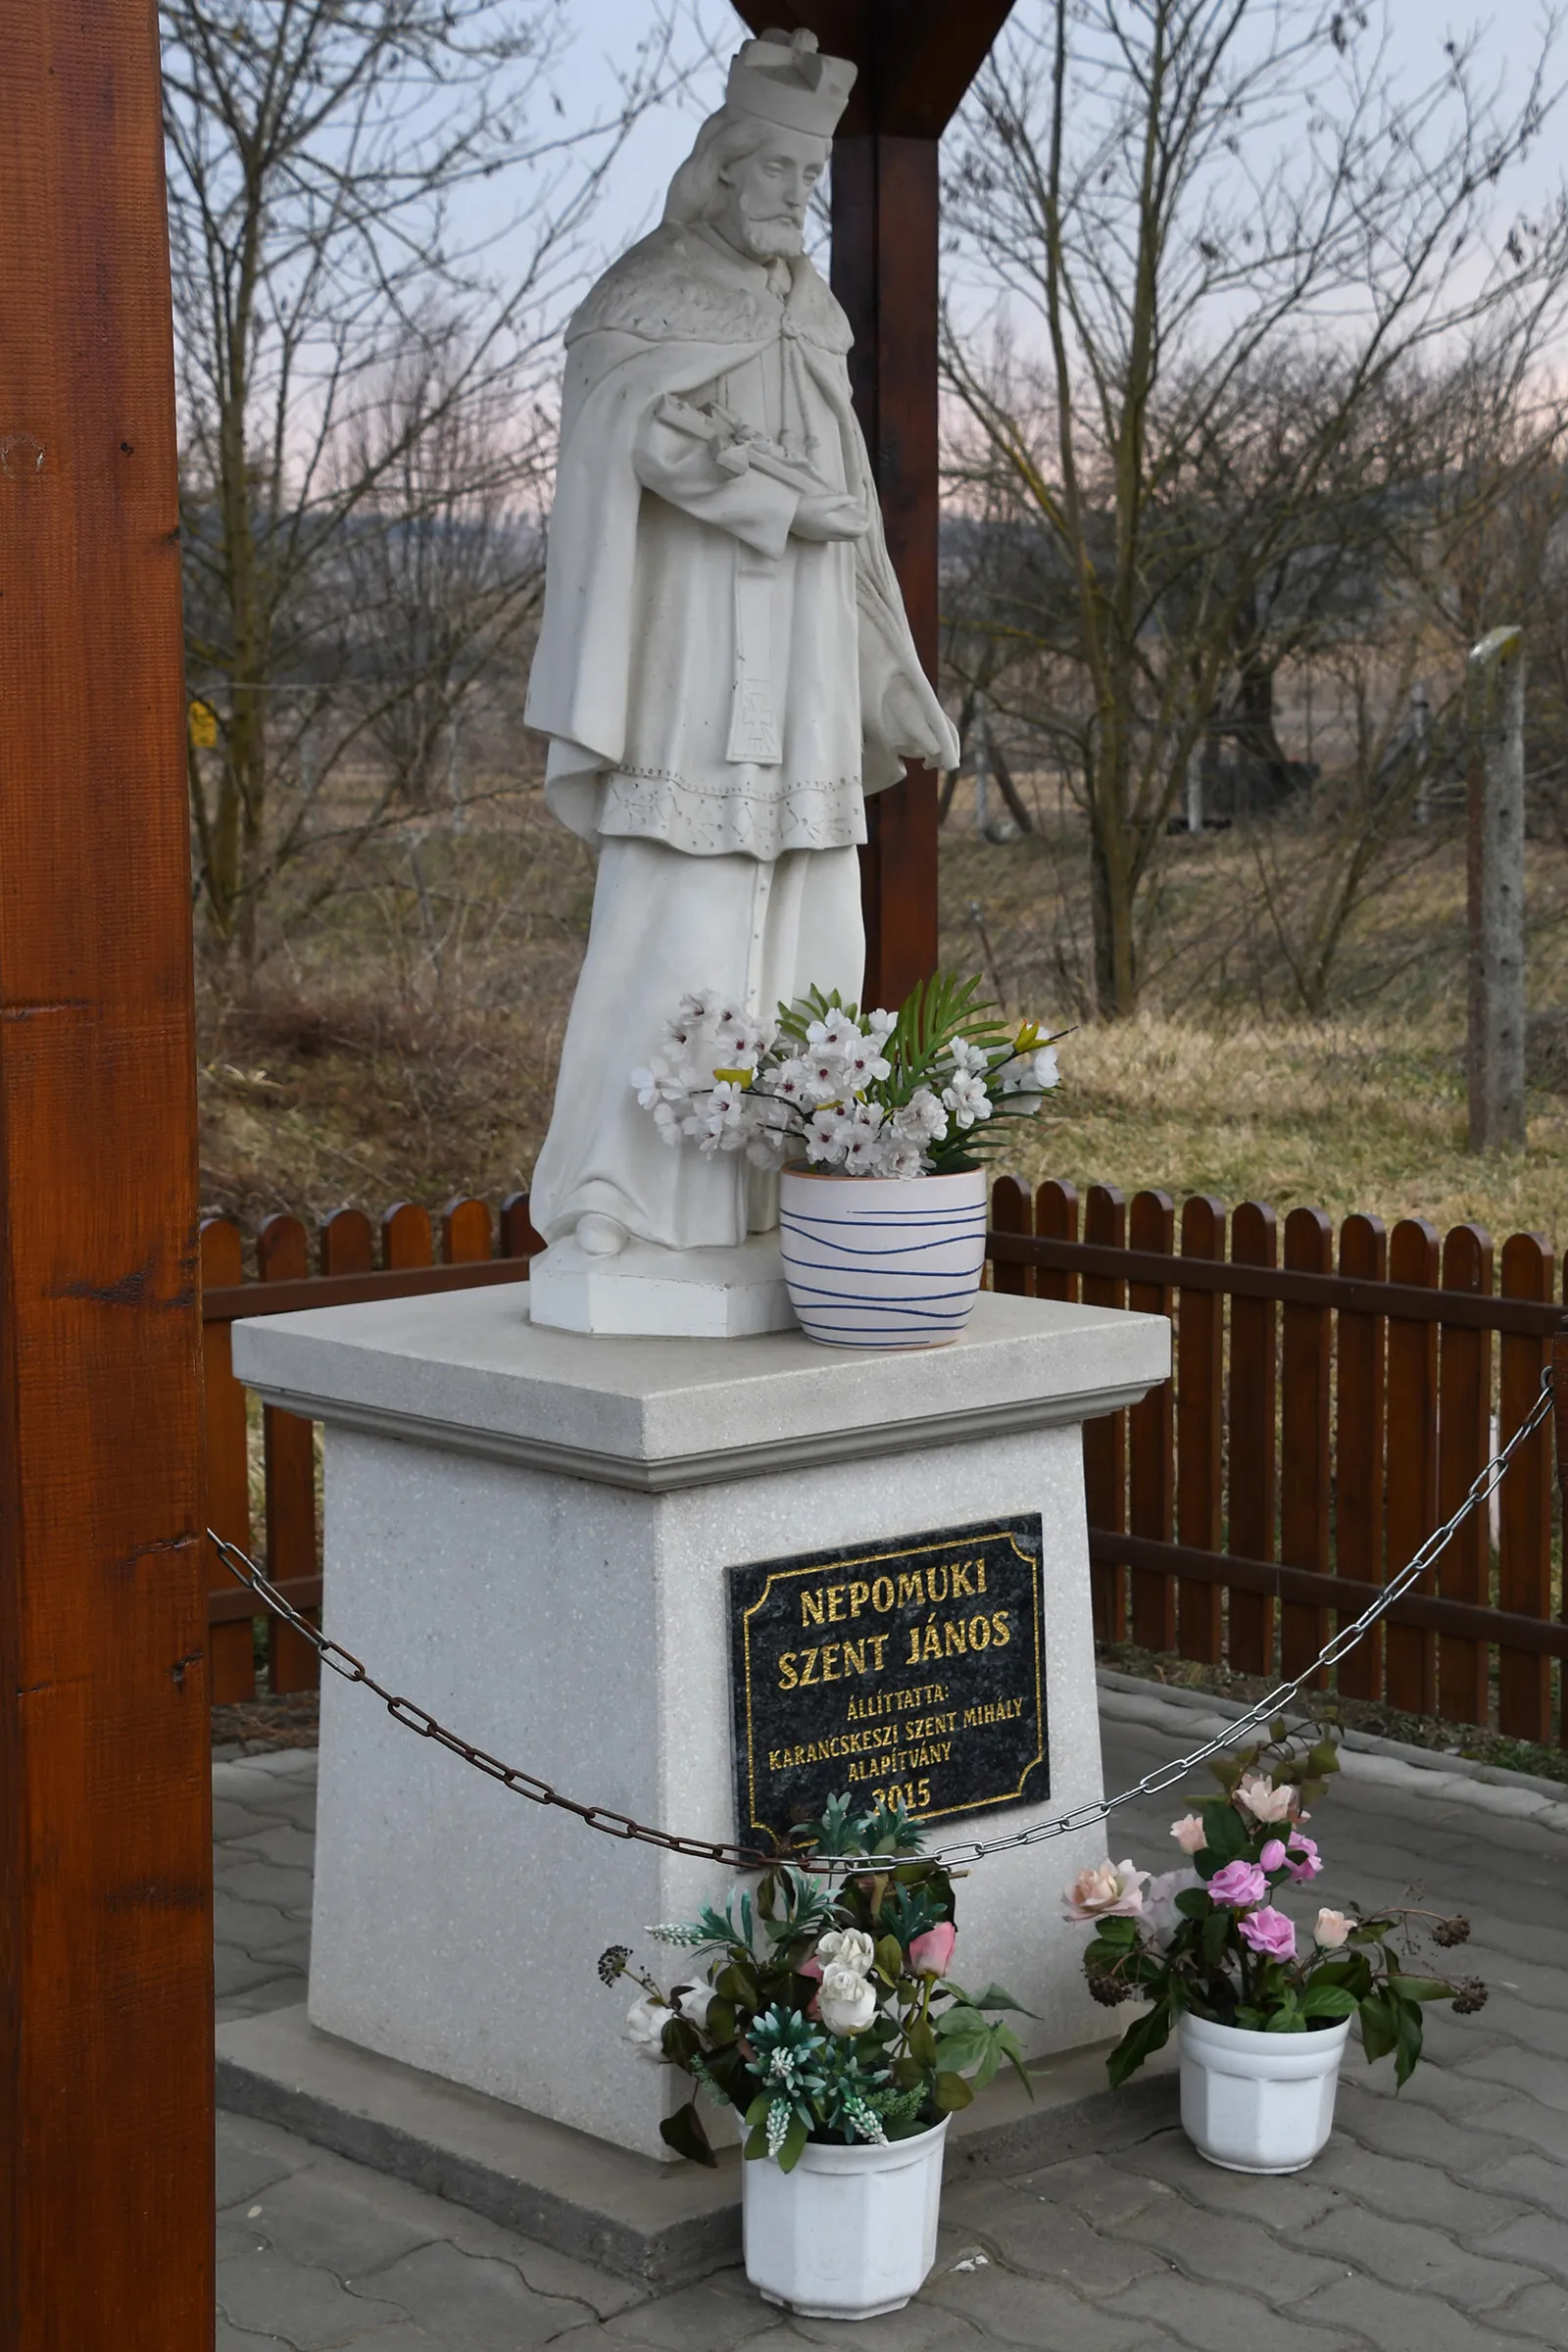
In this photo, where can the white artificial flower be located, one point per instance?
(827, 1135)
(833, 1033)
(846, 1947)
(971, 1061)
(863, 1064)
(742, 1040)
(922, 1119)
(791, 1081)
(967, 1099)
(645, 2020)
(845, 2001)
(863, 1125)
(1333, 1929)
(693, 2002)
(722, 1122)
(879, 1024)
(824, 1076)
(1159, 1903)
(1258, 1794)
(896, 1157)
(658, 1083)
(1047, 1074)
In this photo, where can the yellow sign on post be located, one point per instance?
(202, 719)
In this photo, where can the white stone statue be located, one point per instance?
(724, 667)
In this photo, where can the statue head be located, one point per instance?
(751, 174)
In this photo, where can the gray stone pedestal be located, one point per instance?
(527, 1533)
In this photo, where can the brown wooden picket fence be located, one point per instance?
(1333, 1398)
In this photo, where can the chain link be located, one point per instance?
(612, 1824)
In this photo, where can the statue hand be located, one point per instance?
(907, 725)
(830, 515)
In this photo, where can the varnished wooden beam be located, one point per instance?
(916, 57)
(106, 2053)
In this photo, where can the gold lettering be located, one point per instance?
(956, 1642)
(912, 1588)
(860, 1594)
(853, 1657)
(999, 1629)
(809, 1675)
(931, 1576)
(931, 1646)
(980, 1571)
(786, 1670)
(883, 1585)
(913, 1658)
(831, 1669)
(810, 1608)
(979, 1633)
(835, 1604)
(878, 1643)
(963, 1589)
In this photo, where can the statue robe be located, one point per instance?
(716, 692)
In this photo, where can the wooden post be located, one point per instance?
(916, 57)
(105, 2025)
(1496, 889)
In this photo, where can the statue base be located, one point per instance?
(649, 1292)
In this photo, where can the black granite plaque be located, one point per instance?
(912, 1668)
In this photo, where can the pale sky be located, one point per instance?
(611, 28)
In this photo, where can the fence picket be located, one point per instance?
(233, 1647)
(1464, 1427)
(1057, 1217)
(283, 1254)
(1151, 1434)
(1359, 1460)
(1012, 1212)
(1199, 1431)
(347, 1243)
(405, 1239)
(1305, 1360)
(465, 1232)
(1412, 1652)
(1524, 1575)
(1253, 1437)
(1105, 1437)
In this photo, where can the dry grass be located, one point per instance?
(403, 1042)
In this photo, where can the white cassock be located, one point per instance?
(716, 691)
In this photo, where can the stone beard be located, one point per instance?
(725, 669)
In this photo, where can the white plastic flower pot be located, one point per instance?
(850, 2232)
(882, 1261)
(1258, 2102)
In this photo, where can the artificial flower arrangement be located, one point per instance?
(1209, 1940)
(923, 1091)
(821, 2007)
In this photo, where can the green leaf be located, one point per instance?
(890, 1958)
(756, 2143)
(1423, 1988)
(792, 2145)
(683, 2132)
(1142, 2038)
(994, 1998)
(1216, 1936)
(1225, 1832)
(952, 2092)
(1328, 2000)
(1378, 2032)
(757, 2112)
(1407, 2036)
(922, 2043)
(1193, 1902)
(1116, 1932)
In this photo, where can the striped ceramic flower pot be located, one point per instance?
(882, 1261)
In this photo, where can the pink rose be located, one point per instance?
(1189, 1834)
(811, 1968)
(1239, 1884)
(1108, 1890)
(931, 1955)
(1301, 1861)
(1332, 1928)
(1273, 1855)
(1269, 1932)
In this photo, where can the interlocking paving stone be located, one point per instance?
(485, 2303)
(1220, 2318)
(1434, 2223)
(1406, 2254)
(308, 2308)
(1394, 2321)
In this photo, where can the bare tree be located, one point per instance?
(335, 167)
(1232, 237)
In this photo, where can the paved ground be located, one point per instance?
(1437, 2222)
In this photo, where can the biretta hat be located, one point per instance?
(782, 77)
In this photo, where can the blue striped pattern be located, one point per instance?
(881, 1276)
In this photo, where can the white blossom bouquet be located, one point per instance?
(923, 1091)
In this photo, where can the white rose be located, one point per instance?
(693, 2002)
(847, 2001)
(846, 1947)
(1332, 1928)
(1263, 1801)
(645, 2020)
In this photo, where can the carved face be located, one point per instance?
(765, 195)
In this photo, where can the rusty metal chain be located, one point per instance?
(612, 1824)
